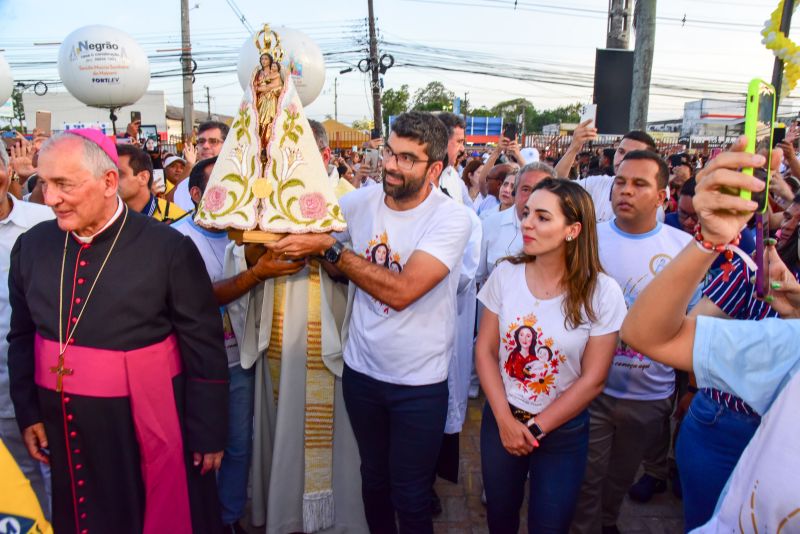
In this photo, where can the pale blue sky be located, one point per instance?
(718, 48)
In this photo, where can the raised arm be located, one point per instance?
(502, 144)
(657, 324)
(580, 136)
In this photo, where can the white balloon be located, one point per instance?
(6, 81)
(301, 56)
(103, 67)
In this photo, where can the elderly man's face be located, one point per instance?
(78, 198)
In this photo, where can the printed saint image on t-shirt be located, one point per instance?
(379, 252)
(532, 362)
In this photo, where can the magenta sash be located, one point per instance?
(145, 375)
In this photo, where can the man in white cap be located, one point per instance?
(174, 171)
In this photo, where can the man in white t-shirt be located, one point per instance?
(233, 473)
(458, 377)
(627, 418)
(755, 360)
(450, 181)
(408, 240)
(600, 186)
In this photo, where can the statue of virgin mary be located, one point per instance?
(269, 178)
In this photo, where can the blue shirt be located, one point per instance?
(758, 361)
(752, 359)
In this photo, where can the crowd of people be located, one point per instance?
(603, 302)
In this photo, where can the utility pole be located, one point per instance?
(777, 70)
(644, 21)
(375, 67)
(464, 105)
(186, 60)
(619, 24)
(336, 99)
(208, 103)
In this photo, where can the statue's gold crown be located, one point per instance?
(269, 42)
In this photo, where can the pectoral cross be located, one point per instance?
(60, 371)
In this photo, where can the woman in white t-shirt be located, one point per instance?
(545, 344)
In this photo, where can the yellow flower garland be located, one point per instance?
(783, 48)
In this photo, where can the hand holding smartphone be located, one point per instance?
(759, 127)
(44, 123)
(759, 122)
(589, 113)
(510, 131)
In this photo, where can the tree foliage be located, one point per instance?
(16, 105)
(364, 124)
(436, 97)
(433, 97)
(570, 113)
(535, 119)
(394, 102)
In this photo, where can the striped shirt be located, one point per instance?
(737, 298)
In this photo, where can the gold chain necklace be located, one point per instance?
(60, 370)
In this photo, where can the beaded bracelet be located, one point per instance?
(727, 250)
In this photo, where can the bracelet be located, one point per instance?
(704, 249)
(692, 389)
(727, 250)
(710, 247)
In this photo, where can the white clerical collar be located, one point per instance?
(120, 207)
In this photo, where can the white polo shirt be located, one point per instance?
(23, 216)
(502, 237)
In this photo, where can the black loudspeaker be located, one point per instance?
(613, 83)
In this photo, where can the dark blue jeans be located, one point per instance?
(556, 471)
(399, 433)
(235, 468)
(711, 440)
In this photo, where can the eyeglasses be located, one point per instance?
(404, 161)
(212, 141)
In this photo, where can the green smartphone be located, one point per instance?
(759, 122)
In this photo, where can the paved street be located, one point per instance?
(464, 513)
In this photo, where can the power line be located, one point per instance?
(240, 15)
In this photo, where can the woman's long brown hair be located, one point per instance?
(583, 259)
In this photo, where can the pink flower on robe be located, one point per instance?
(214, 198)
(292, 109)
(313, 206)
